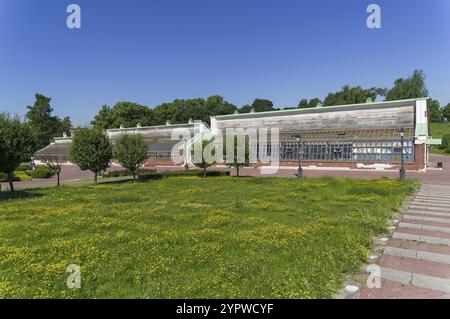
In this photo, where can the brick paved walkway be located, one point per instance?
(416, 260)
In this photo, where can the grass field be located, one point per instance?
(189, 237)
(437, 131)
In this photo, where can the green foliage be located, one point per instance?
(235, 161)
(178, 111)
(410, 88)
(439, 130)
(23, 167)
(258, 105)
(124, 113)
(202, 154)
(41, 172)
(16, 144)
(131, 152)
(446, 112)
(91, 150)
(303, 104)
(445, 141)
(43, 125)
(125, 172)
(352, 95)
(435, 111)
(18, 176)
(188, 237)
(22, 176)
(191, 173)
(262, 105)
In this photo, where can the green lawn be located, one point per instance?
(189, 237)
(437, 131)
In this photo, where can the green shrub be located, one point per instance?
(21, 177)
(198, 173)
(445, 142)
(41, 172)
(125, 172)
(23, 167)
(18, 177)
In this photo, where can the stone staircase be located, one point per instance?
(416, 260)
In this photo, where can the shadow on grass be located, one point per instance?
(21, 194)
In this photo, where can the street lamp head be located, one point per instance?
(402, 132)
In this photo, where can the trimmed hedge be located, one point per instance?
(198, 173)
(125, 172)
(41, 172)
(21, 176)
(23, 167)
(18, 177)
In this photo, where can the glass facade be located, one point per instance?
(360, 151)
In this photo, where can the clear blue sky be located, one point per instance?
(152, 51)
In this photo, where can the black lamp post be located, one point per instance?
(402, 162)
(299, 170)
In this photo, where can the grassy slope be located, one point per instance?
(437, 131)
(192, 237)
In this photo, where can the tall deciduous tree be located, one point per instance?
(124, 113)
(16, 145)
(105, 118)
(131, 152)
(262, 105)
(43, 125)
(303, 104)
(91, 150)
(352, 95)
(410, 88)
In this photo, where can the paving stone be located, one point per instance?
(403, 277)
(429, 219)
(414, 211)
(431, 282)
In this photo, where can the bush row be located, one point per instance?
(198, 173)
(125, 172)
(28, 175)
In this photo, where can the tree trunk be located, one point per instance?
(204, 172)
(95, 178)
(57, 175)
(134, 176)
(237, 171)
(10, 181)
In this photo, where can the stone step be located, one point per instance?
(435, 196)
(418, 254)
(422, 212)
(430, 201)
(417, 280)
(430, 205)
(422, 239)
(425, 227)
(428, 219)
(430, 208)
